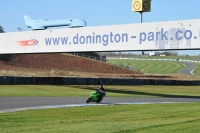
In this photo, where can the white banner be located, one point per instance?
(172, 35)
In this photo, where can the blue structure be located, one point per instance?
(42, 24)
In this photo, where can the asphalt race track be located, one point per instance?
(188, 70)
(12, 104)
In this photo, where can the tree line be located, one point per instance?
(1, 29)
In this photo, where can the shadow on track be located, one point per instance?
(137, 92)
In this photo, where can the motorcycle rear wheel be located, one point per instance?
(89, 100)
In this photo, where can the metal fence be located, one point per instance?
(106, 60)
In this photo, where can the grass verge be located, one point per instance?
(155, 118)
(197, 70)
(151, 66)
(168, 57)
(112, 91)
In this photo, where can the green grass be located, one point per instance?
(165, 118)
(151, 66)
(112, 91)
(197, 70)
(101, 119)
(42, 90)
(169, 57)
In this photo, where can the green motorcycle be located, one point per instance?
(96, 96)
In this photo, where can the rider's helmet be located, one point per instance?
(101, 88)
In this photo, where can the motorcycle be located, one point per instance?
(96, 96)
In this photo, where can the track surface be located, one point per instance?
(189, 67)
(7, 103)
(25, 102)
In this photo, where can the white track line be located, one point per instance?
(80, 105)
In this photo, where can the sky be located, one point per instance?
(96, 13)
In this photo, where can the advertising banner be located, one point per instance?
(171, 35)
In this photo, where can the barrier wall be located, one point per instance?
(4, 80)
(159, 59)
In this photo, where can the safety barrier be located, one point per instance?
(105, 60)
(9, 80)
(156, 59)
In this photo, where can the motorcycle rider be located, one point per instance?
(98, 91)
(101, 89)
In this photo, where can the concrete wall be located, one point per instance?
(6, 80)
